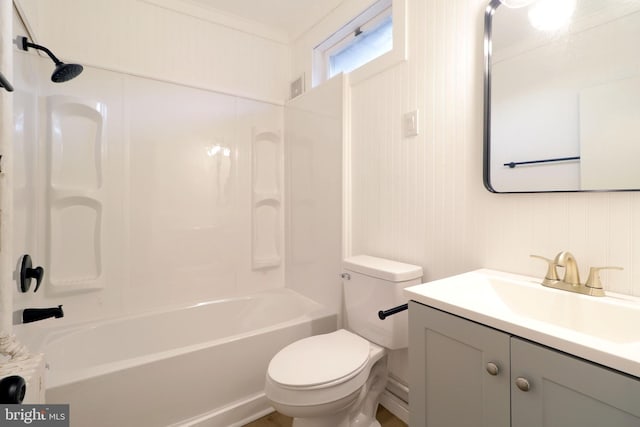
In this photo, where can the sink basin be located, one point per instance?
(601, 329)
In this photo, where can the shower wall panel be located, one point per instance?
(69, 157)
(135, 193)
(314, 180)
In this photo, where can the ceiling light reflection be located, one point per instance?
(551, 15)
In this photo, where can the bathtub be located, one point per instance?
(201, 365)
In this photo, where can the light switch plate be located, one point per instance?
(410, 123)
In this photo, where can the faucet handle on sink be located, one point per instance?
(593, 281)
(552, 274)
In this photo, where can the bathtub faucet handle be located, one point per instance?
(27, 272)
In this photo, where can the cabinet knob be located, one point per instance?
(492, 368)
(523, 384)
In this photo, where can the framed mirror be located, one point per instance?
(562, 95)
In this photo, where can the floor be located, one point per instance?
(386, 418)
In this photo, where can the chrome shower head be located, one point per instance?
(63, 72)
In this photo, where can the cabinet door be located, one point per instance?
(565, 391)
(450, 384)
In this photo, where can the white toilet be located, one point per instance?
(335, 380)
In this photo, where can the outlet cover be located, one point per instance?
(410, 123)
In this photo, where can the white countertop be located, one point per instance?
(605, 330)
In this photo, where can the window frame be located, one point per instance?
(346, 41)
(398, 53)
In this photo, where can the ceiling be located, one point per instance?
(512, 27)
(292, 16)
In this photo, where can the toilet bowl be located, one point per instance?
(320, 380)
(335, 379)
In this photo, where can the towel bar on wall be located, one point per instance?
(383, 314)
(531, 162)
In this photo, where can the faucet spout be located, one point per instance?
(568, 261)
(34, 314)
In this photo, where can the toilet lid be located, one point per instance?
(320, 359)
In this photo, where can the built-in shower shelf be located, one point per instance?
(260, 263)
(75, 195)
(260, 198)
(266, 209)
(56, 194)
(75, 134)
(265, 134)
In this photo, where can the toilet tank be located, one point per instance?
(372, 284)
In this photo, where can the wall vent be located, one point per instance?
(297, 87)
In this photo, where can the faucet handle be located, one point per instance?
(552, 273)
(593, 281)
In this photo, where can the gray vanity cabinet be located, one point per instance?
(465, 374)
(567, 391)
(450, 362)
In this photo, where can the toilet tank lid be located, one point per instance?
(381, 268)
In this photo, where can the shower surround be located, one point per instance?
(136, 193)
(139, 196)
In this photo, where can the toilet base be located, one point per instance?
(337, 420)
(366, 404)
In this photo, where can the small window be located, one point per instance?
(362, 40)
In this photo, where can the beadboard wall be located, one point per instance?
(170, 40)
(421, 199)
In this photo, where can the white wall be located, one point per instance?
(610, 135)
(165, 39)
(422, 200)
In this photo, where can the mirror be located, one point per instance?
(562, 96)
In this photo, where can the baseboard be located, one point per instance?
(396, 406)
(247, 410)
(258, 406)
(398, 388)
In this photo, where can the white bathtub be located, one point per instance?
(201, 365)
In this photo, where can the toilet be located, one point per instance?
(335, 379)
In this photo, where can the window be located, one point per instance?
(365, 38)
(364, 45)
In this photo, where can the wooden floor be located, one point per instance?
(386, 419)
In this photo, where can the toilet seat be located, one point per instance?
(322, 389)
(320, 361)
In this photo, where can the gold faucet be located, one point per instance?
(571, 280)
(568, 261)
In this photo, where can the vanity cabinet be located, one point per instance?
(465, 374)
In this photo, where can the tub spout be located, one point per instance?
(34, 314)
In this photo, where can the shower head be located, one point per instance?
(63, 72)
